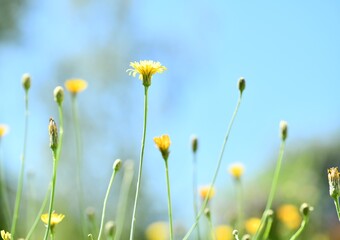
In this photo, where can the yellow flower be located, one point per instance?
(163, 143)
(145, 69)
(157, 231)
(75, 85)
(204, 190)
(55, 219)
(224, 232)
(252, 224)
(3, 130)
(289, 215)
(5, 235)
(236, 170)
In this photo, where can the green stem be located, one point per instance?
(204, 205)
(123, 197)
(105, 201)
(169, 198)
(213, 237)
(37, 219)
(140, 163)
(239, 201)
(269, 224)
(21, 175)
(3, 187)
(54, 178)
(336, 202)
(272, 190)
(194, 190)
(79, 162)
(302, 227)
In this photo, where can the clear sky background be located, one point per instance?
(288, 52)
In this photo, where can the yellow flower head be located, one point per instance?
(236, 170)
(145, 69)
(334, 182)
(75, 86)
(3, 130)
(157, 231)
(289, 215)
(55, 219)
(224, 232)
(163, 143)
(204, 190)
(5, 235)
(252, 224)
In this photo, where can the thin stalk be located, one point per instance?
(204, 205)
(268, 228)
(140, 163)
(79, 162)
(123, 198)
(169, 198)
(272, 190)
(194, 191)
(105, 202)
(21, 175)
(336, 202)
(3, 187)
(212, 233)
(239, 223)
(37, 219)
(54, 178)
(302, 227)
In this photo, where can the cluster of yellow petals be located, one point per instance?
(204, 191)
(252, 224)
(224, 232)
(55, 218)
(289, 215)
(3, 130)
(163, 142)
(145, 69)
(157, 231)
(5, 235)
(75, 85)
(236, 170)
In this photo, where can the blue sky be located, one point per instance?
(287, 51)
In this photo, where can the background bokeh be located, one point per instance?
(287, 51)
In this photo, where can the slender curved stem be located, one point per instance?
(194, 190)
(3, 187)
(21, 175)
(302, 227)
(212, 233)
(239, 222)
(105, 202)
(204, 205)
(140, 163)
(169, 199)
(272, 190)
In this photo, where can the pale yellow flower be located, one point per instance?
(5, 235)
(289, 215)
(224, 232)
(157, 231)
(236, 170)
(334, 182)
(75, 85)
(145, 69)
(252, 224)
(204, 190)
(163, 143)
(3, 130)
(55, 219)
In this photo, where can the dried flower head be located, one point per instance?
(53, 132)
(334, 182)
(55, 219)
(76, 85)
(205, 190)
(3, 130)
(289, 215)
(146, 69)
(5, 235)
(236, 170)
(163, 143)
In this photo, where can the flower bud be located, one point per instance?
(110, 229)
(194, 143)
(283, 130)
(90, 213)
(26, 81)
(334, 182)
(117, 165)
(58, 95)
(53, 132)
(305, 209)
(207, 212)
(241, 84)
(246, 237)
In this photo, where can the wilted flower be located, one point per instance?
(145, 69)
(75, 85)
(53, 132)
(334, 182)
